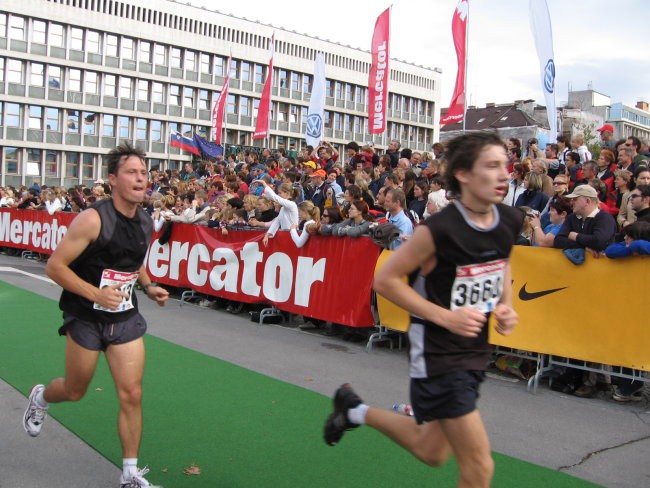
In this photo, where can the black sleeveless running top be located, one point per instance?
(115, 257)
(470, 269)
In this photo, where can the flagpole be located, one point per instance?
(466, 65)
(225, 115)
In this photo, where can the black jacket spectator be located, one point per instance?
(593, 232)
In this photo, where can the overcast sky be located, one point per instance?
(602, 43)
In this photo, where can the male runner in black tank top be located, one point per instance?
(460, 256)
(98, 263)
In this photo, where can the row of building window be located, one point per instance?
(72, 79)
(54, 119)
(95, 42)
(46, 163)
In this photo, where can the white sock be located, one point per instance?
(129, 467)
(40, 399)
(357, 415)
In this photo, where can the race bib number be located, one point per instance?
(478, 285)
(126, 281)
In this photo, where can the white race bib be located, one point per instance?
(478, 285)
(126, 281)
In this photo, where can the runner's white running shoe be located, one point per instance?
(137, 481)
(35, 414)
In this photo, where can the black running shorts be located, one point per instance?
(447, 396)
(97, 337)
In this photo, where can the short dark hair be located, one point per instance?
(352, 145)
(638, 230)
(639, 170)
(635, 141)
(562, 138)
(462, 153)
(553, 147)
(574, 156)
(122, 152)
(354, 191)
(406, 153)
(398, 196)
(235, 202)
(561, 204)
(645, 190)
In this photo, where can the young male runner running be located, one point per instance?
(97, 263)
(460, 259)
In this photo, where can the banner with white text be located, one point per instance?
(379, 74)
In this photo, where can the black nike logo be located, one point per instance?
(525, 295)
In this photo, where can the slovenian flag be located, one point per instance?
(185, 143)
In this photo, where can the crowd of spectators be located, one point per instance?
(571, 201)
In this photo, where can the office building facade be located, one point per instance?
(77, 77)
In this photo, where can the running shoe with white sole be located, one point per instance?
(137, 480)
(337, 422)
(35, 413)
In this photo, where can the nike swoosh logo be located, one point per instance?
(525, 295)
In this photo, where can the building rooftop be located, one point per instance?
(492, 116)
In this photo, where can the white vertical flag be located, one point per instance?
(316, 112)
(540, 22)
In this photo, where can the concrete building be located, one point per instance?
(597, 109)
(77, 77)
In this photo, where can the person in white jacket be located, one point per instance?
(309, 222)
(288, 214)
(52, 203)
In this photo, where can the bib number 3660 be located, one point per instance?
(478, 285)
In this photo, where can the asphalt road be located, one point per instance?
(595, 439)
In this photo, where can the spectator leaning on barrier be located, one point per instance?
(395, 202)
(357, 225)
(310, 222)
(587, 227)
(288, 214)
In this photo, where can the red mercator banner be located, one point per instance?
(458, 30)
(34, 230)
(328, 278)
(379, 74)
(262, 123)
(219, 106)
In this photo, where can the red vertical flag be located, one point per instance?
(456, 110)
(378, 77)
(262, 124)
(219, 107)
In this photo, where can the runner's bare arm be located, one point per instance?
(420, 252)
(505, 316)
(156, 293)
(84, 229)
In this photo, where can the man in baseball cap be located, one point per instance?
(588, 226)
(607, 136)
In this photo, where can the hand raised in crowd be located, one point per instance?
(465, 321)
(506, 319)
(110, 296)
(158, 294)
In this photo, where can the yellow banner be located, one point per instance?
(593, 311)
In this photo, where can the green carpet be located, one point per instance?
(241, 428)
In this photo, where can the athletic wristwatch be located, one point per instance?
(145, 287)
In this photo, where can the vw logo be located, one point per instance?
(549, 76)
(314, 125)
